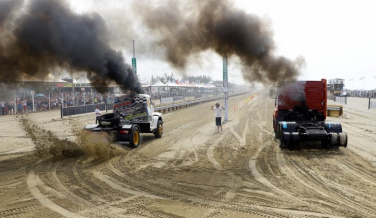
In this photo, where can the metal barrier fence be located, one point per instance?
(371, 104)
(178, 98)
(331, 97)
(342, 100)
(172, 99)
(174, 106)
(89, 108)
(69, 111)
(167, 100)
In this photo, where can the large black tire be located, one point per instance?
(109, 120)
(282, 143)
(277, 132)
(325, 144)
(159, 130)
(276, 129)
(135, 136)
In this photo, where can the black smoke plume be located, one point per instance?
(6, 9)
(185, 30)
(291, 91)
(49, 34)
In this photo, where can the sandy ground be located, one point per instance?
(192, 171)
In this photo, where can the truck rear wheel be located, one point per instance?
(324, 144)
(159, 130)
(343, 139)
(135, 136)
(282, 143)
(278, 132)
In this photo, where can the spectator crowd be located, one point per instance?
(24, 104)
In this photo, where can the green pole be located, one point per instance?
(225, 86)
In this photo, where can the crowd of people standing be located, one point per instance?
(19, 107)
(24, 104)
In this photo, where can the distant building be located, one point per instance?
(335, 86)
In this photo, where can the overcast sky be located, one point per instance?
(336, 38)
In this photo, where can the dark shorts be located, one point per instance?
(218, 121)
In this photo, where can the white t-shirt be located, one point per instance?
(97, 112)
(218, 111)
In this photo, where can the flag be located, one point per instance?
(361, 78)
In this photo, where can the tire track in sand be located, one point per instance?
(33, 184)
(359, 173)
(319, 181)
(263, 180)
(79, 200)
(318, 189)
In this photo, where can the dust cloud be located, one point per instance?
(98, 146)
(94, 146)
(46, 143)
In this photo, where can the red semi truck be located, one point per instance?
(300, 115)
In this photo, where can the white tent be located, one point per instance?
(158, 84)
(171, 84)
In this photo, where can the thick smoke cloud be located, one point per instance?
(217, 25)
(291, 91)
(51, 35)
(6, 9)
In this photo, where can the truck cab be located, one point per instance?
(300, 114)
(300, 101)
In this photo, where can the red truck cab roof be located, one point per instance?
(311, 93)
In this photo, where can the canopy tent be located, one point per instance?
(171, 84)
(158, 84)
(187, 85)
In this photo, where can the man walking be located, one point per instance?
(97, 114)
(218, 115)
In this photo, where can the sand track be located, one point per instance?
(192, 171)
